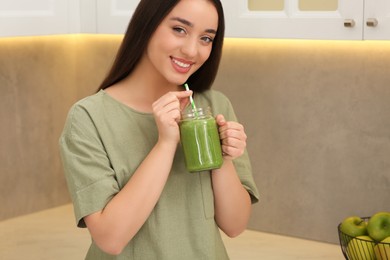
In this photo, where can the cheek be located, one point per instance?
(156, 51)
(159, 42)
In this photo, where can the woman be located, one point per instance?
(121, 147)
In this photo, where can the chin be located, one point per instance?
(179, 81)
(178, 78)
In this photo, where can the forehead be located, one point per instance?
(201, 13)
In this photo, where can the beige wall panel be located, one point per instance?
(316, 114)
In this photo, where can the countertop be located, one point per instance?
(52, 234)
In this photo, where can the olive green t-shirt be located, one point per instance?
(103, 143)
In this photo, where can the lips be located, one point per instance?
(181, 65)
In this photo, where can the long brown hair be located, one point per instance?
(145, 20)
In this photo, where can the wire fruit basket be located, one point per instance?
(360, 249)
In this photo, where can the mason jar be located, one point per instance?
(200, 140)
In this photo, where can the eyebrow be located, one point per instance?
(188, 23)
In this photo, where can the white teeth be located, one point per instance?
(181, 64)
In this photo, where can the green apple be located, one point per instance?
(361, 248)
(378, 226)
(354, 226)
(382, 249)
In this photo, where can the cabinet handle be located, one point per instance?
(372, 22)
(349, 23)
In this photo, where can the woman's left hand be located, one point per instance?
(233, 137)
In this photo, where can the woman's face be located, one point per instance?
(183, 40)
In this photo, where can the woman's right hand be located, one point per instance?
(167, 113)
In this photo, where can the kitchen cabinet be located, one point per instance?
(308, 19)
(44, 17)
(113, 16)
(302, 19)
(38, 17)
(377, 19)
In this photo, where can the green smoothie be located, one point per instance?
(201, 144)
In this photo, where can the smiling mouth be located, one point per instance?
(181, 66)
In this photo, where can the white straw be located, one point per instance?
(191, 100)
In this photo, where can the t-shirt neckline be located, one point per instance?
(124, 105)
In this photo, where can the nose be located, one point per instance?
(190, 47)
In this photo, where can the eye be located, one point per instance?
(179, 30)
(207, 39)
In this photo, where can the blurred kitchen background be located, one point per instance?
(309, 79)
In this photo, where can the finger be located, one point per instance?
(172, 96)
(238, 141)
(170, 111)
(220, 119)
(231, 152)
(184, 103)
(183, 94)
(173, 111)
(232, 133)
(231, 125)
(184, 99)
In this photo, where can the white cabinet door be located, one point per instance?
(377, 19)
(113, 16)
(34, 17)
(291, 19)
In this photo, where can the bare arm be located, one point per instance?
(114, 226)
(232, 201)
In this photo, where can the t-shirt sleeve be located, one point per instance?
(244, 170)
(243, 165)
(91, 181)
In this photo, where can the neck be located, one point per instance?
(142, 87)
(139, 93)
(149, 81)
